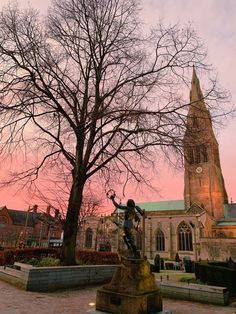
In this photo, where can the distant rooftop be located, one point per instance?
(230, 210)
(161, 205)
(226, 223)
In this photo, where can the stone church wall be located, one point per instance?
(217, 249)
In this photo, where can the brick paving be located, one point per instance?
(16, 301)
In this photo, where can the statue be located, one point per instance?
(133, 287)
(130, 216)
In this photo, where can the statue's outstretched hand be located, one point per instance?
(111, 194)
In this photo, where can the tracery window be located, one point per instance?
(191, 155)
(160, 241)
(204, 153)
(195, 122)
(198, 155)
(88, 238)
(185, 237)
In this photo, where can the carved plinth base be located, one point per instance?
(132, 290)
(119, 303)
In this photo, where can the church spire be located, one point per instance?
(196, 92)
(204, 183)
(197, 106)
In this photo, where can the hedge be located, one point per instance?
(97, 257)
(8, 257)
(216, 274)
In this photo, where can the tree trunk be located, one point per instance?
(71, 223)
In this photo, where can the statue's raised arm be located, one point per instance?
(130, 215)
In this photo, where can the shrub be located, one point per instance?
(214, 274)
(96, 257)
(49, 262)
(23, 255)
(169, 266)
(1, 258)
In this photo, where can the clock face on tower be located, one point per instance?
(199, 170)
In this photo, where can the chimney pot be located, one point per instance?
(48, 210)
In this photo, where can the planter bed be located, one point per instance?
(53, 278)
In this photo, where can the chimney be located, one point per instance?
(48, 210)
(34, 209)
(56, 213)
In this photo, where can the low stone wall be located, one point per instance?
(44, 279)
(195, 292)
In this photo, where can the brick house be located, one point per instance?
(31, 227)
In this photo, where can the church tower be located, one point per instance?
(203, 180)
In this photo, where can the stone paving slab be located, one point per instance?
(100, 312)
(17, 301)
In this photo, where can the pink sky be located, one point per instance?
(215, 22)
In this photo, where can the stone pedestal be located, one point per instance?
(132, 290)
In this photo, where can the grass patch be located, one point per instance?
(44, 262)
(191, 280)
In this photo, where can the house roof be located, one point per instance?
(19, 217)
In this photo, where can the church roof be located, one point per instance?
(162, 205)
(226, 223)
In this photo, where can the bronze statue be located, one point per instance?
(130, 215)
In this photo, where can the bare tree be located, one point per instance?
(86, 89)
(55, 191)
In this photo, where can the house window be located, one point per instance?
(160, 241)
(88, 238)
(3, 220)
(185, 237)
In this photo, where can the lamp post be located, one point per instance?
(24, 240)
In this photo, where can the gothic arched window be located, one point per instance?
(198, 155)
(88, 238)
(160, 241)
(191, 155)
(195, 122)
(204, 154)
(185, 237)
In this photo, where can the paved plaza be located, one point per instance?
(16, 301)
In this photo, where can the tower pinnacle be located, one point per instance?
(196, 92)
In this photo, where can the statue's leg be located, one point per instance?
(127, 242)
(130, 240)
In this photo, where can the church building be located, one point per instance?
(203, 224)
